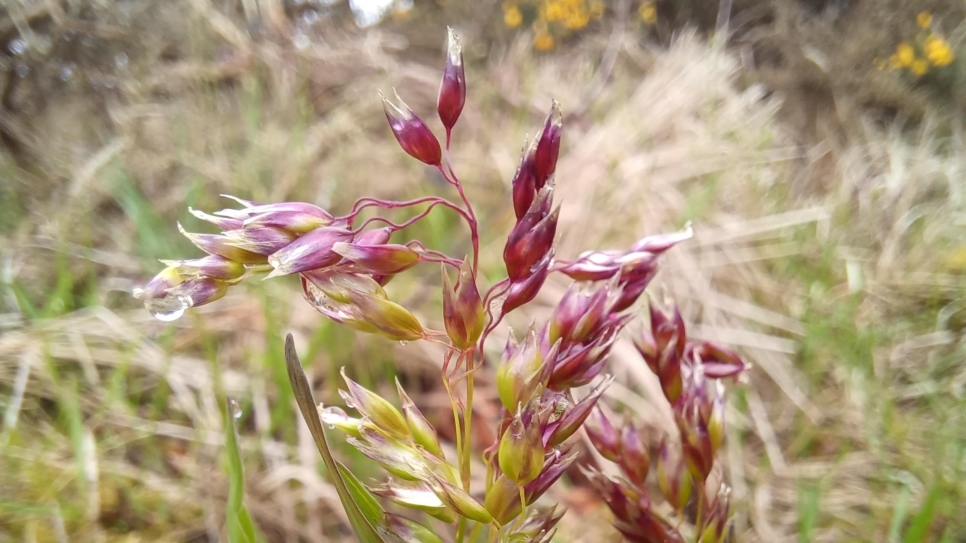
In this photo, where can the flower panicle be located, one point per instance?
(343, 264)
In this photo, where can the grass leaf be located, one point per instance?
(303, 396)
(241, 529)
(922, 520)
(368, 505)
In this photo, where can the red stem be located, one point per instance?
(470, 215)
(365, 202)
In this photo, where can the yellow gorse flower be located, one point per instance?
(543, 41)
(648, 12)
(938, 51)
(576, 20)
(554, 18)
(929, 50)
(905, 54)
(554, 11)
(512, 16)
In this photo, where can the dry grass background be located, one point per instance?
(834, 263)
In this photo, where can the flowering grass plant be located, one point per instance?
(344, 264)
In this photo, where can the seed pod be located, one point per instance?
(223, 223)
(662, 242)
(573, 418)
(335, 417)
(634, 459)
(294, 217)
(717, 361)
(215, 267)
(345, 287)
(215, 244)
(521, 451)
(167, 279)
(452, 89)
(200, 291)
(523, 291)
(524, 183)
(376, 236)
(532, 237)
(554, 466)
(395, 456)
(263, 240)
(339, 312)
(603, 435)
(377, 409)
(716, 521)
(668, 329)
(422, 431)
(539, 526)
(673, 476)
(412, 134)
(462, 308)
(696, 443)
(392, 320)
(548, 146)
(384, 259)
(714, 419)
(522, 371)
(415, 495)
(312, 251)
(503, 499)
(459, 501)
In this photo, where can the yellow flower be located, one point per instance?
(906, 54)
(938, 51)
(648, 12)
(919, 67)
(924, 19)
(512, 17)
(543, 41)
(576, 20)
(554, 11)
(597, 9)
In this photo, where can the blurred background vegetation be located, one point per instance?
(816, 145)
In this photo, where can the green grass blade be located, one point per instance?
(899, 514)
(920, 523)
(303, 396)
(241, 529)
(368, 505)
(808, 508)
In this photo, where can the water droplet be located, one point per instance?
(403, 343)
(236, 410)
(17, 46)
(67, 72)
(120, 60)
(23, 70)
(168, 309)
(301, 41)
(168, 316)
